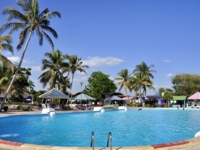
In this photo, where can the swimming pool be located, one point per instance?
(129, 128)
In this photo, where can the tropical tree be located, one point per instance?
(32, 21)
(64, 83)
(162, 90)
(30, 85)
(167, 96)
(144, 69)
(5, 44)
(99, 85)
(124, 80)
(20, 85)
(55, 67)
(140, 83)
(75, 64)
(6, 70)
(186, 84)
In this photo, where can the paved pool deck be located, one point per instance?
(189, 144)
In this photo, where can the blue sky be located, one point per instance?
(110, 35)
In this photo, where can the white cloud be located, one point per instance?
(36, 68)
(167, 60)
(14, 59)
(101, 62)
(17, 59)
(170, 75)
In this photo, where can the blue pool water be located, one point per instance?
(129, 128)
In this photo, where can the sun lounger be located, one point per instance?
(80, 107)
(57, 107)
(46, 110)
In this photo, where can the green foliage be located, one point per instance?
(162, 90)
(167, 96)
(186, 84)
(99, 85)
(28, 108)
(54, 66)
(20, 107)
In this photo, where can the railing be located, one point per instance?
(92, 141)
(109, 141)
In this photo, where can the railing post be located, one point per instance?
(92, 141)
(109, 140)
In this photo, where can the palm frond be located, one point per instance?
(40, 35)
(23, 36)
(44, 22)
(51, 30)
(17, 27)
(25, 4)
(45, 11)
(7, 47)
(48, 39)
(49, 15)
(7, 39)
(13, 13)
(8, 25)
(35, 7)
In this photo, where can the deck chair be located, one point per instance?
(57, 107)
(44, 106)
(79, 107)
(46, 110)
(48, 105)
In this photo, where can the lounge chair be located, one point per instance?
(46, 110)
(80, 107)
(57, 107)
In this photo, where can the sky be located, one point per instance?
(110, 35)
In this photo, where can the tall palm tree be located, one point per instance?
(140, 83)
(32, 21)
(55, 67)
(75, 64)
(145, 70)
(124, 80)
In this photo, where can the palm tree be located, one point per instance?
(141, 82)
(5, 42)
(75, 64)
(30, 85)
(5, 71)
(64, 83)
(124, 80)
(145, 70)
(21, 82)
(55, 67)
(31, 21)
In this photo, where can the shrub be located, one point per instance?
(20, 107)
(27, 108)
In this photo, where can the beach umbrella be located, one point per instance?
(112, 98)
(83, 96)
(54, 93)
(195, 96)
(129, 98)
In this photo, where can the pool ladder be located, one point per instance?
(109, 141)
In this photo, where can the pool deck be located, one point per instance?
(190, 144)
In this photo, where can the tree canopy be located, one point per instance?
(99, 85)
(186, 84)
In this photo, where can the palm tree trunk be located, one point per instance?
(71, 85)
(13, 79)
